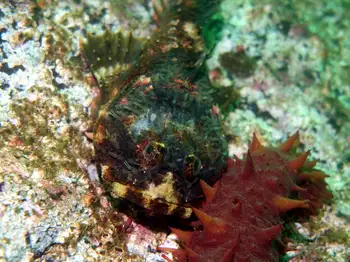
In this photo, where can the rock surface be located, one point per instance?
(289, 67)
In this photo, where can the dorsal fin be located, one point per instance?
(111, 56)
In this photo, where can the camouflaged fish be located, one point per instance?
(155, 132)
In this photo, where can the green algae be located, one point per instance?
(238, 63)
(126, 10)
(211, 30)
(284, 37)
(331, 25)
(35, 137)
(336, 235)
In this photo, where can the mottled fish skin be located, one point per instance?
(155, 134)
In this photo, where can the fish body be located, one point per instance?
(155, 133)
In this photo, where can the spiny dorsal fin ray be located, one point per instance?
(111, 56)
(112, 49)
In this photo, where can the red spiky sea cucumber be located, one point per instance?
(244, 211)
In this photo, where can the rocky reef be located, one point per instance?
(275, 68)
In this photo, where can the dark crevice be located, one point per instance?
(6, 69)
(1, 14)
(2, 186)
(2, 30)
(58, 85)
(263, 114)
(4, 86)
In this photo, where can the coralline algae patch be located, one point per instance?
(49, 209)
(290, 86)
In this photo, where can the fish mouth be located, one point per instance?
(157, 176)
(160, 195)
(155, 167)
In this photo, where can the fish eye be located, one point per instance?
(149, 148)
(192, 166)
(154, 151)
